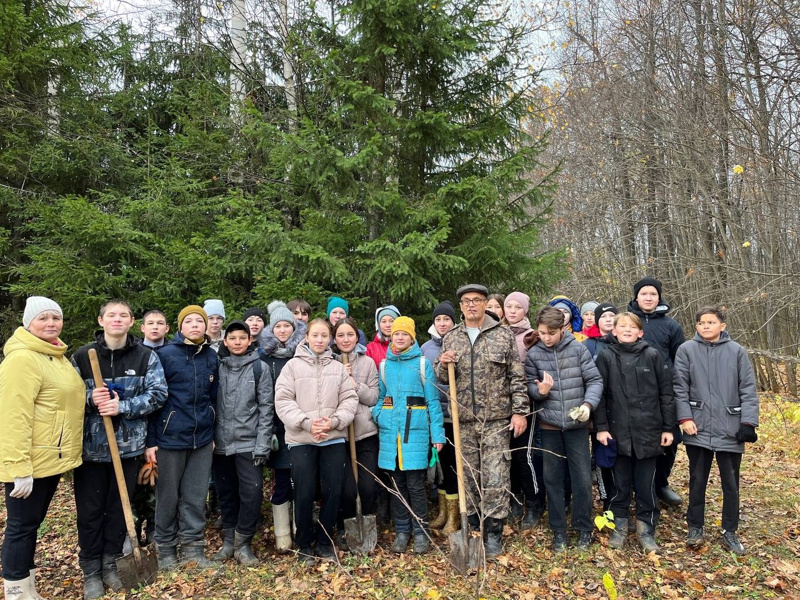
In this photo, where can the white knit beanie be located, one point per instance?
(214, 306)
(36, 305)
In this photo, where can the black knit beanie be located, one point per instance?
(644, 283)
(445, 308)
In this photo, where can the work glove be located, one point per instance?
(23, 486)
(259, 460)
(148, 475)
(580, 413)
(746, 433)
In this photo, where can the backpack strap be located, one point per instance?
(382, 368)
(258, 368)
(422, 371)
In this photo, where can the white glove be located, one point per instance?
(580, 413)
(23, 486)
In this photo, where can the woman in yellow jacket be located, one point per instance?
(42, 401)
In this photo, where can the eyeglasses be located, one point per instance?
(472, 301)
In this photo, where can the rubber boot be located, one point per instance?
(110, 576)
(92, 578)
(281, 520)
(645, 533)
(474, 522)
(34, 593)
(193, 555)
(619, 534)
(243, 552)
(422, 543)
(494, 537)
(453, 517)
(167, 557)
(533, 515)
(401, 540)
(19, 590)
(226, 551)
(441, 518)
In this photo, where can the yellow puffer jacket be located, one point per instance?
(42, 401)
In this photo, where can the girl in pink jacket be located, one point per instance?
(316, 400)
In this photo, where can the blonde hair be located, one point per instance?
(631, 317)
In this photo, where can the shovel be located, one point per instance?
(141, 566)
(466, 550)
(360, 532)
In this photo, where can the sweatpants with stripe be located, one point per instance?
(630, 473)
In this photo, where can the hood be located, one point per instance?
(577, 319)
(521, 327)
(358, 350)
(723, 339)
(378, 334)
(435, 337)
(100, 340)
(237, 362)
(413, 352)
(661, 310)
(381, 340)
(307, 354)
(636, 347)
(179, 340)
(269, 343)
(25, 340)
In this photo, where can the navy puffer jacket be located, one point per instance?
(575, 380)
(661, 331)
(186, 421)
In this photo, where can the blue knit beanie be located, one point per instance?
(336, 302)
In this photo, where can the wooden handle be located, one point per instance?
(351, 431)
(462, 497)
(114, 451)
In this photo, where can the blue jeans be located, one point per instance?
(574, 445)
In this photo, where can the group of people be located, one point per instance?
(539, 404)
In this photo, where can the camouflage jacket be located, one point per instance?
(490, 380)
(138, 370)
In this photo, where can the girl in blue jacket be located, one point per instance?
(409, 417)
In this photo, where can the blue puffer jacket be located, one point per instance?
(409, 418)
(575, 380)
(186, 421)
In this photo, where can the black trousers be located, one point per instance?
(308, 462)
(447, 458)
(24, 516)
(729, 463)
(240, 490)
(627, 472)
(367, 457)
(605, 482)
(101, 524)
(574, 445)
(282, 489)
(666, 461)
(527, 475)
(411, 486)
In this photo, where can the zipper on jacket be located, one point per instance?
(472, 372)
(560, 390)
(194, 402)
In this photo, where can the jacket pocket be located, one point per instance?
(646, 381)
(166, 422)
(698, 414)
(733, 420)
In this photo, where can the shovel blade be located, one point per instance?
(361, 534)
(466, 551)
(140, 567)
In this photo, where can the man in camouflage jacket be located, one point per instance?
(492, 400)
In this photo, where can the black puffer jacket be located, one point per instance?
(575, 381)
(661, 331)
(637, 403)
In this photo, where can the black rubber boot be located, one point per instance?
(227, 549)
(422, 543)
(645, 533)
(110, 576)
(619, 534)
(533, 515)
(167, 557)
(474, 522)
(401, 540)
(193, 555)
(668, 496)
(243, 552)
(92, 578)
(494, 537)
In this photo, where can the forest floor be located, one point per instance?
(770, 530)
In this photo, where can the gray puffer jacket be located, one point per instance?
(245, 410)
(431, 350)
(365, 374)
(715, 386)
(575, 380)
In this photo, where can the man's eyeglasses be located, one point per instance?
(472, 301)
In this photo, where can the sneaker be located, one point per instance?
(695, 537)
(731, 542)
(584, 539)
(559, 542)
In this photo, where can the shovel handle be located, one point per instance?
(351, 433)
(115, 459)
(462, 497)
